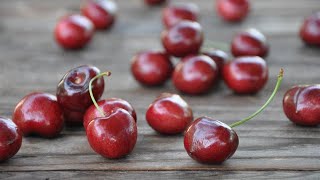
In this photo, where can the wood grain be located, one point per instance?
(270, 146)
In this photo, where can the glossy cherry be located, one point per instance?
(310, 30)
(175, 13)
(232, 10)
(219, 57)
(301, 104)
(102, 13)
(182, 39)
(154, 2)
(108, 106)
(73, 31)
(169, 114)
(250, 43)
(73, 92)
(112, 135)
(211, 141)
(39, 114)
(151, 68)
(195, 74)
(10, 139)
(246, 75)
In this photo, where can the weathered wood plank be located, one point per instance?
(174, 175)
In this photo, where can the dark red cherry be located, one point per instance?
(73, 92)
(301, 104)
(154, 2)
(73, 31)
(195, 74)
(310, 30)
(108, 106)
(39, 114)
(250, 43)
(182, 39)
(219, 57)
(151, 68)
(10, 139)
(175, 13)
(102, 13)
(113, 136)
(246, 75)
(210, 141)
(169, 114)
(232, 10)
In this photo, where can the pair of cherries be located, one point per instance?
(76, 30)
(206, 140)
(110, 124)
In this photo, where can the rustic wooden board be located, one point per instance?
(270, 146)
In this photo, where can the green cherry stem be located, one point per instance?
(217, 45)
(280, 77)
(91, 94)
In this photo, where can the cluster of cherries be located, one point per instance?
(198, 71)
(110, 124)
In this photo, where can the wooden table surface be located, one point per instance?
(270, 146)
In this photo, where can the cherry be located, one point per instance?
(100, 12)
(73, 31)
(250, 43)
(232, 10)
(310, 30)
(195, 74)
(154, 2)
(169, 114)
(111, 135)
(211, 141)
(151, 68)
(182, 39)
(175, 13)
(73, 92)
(108, 106)
(10, 139)
(301, 104)
(219, 57)
(246, 75)
(40, 114)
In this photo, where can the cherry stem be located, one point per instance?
(276, 88)
(91, 94)
(217, 45)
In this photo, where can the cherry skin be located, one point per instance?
(154, 2)
(10, 139)
(301, 104)
(108, 106)
(151, 68)
(73, 92)
(113, 136)
(101, 12)
(195, 74)
(169, 114)
(246, 75)
(73, 31)
(182, 39)
(210, 141)
(250, 43)
(219, 57)
(175, 13)
(310, 30)
(233, 10)
(40, 114)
